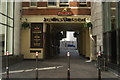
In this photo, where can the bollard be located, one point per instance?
(36, 65)
(68, 70)
(7, 65)
(99, 66)
(104, 65)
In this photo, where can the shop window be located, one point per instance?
(2, 40)
(6, 28)
(113, 47)
(64, 3)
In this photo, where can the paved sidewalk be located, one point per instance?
(57, 68)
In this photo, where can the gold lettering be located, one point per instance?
(36, 44)
(36, 36)
(64, 19)
(36, 31)
(36, 40)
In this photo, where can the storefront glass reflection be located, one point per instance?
(6, 27)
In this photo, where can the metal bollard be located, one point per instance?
(104, 65)
(68, 70)
(7, 65)
(99, 66)
(36, 65)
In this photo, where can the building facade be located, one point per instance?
(10, 14)
(47, 20)
(111, 34)
(97, 30)
(107, 24)
(6, 25)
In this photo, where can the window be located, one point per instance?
(106, 16)
(110, 23)
(118, 10)
(6, 28)
(82, 3)
(51, 3)
(113, 15)
(64, 3)
(0, 6)
(33, 3)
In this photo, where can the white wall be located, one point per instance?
(69, 37)
(69, 40)
(64, 44)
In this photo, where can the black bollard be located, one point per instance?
(99, 69)
(68, 70)
(36, 65)
(7, 65)
(99, 65)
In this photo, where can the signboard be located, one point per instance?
(36, 35)
(57, 19)
(65, 12)
(64, 19)
(68, 13)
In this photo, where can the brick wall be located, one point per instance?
(41, 4)
(54, 11)
(25, 4)
(74, 4)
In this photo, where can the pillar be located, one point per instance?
(17, 28)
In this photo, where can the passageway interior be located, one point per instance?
(57, 43)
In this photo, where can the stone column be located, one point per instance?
(17, 25)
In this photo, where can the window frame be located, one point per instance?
(82, 3)
(31, 5)
(51, 5)
(7, 24)
(118, 16)
(66, 4)
(113, 17)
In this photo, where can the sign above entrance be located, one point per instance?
(65, 13)
(55, 19)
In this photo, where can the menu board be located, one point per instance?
(36, 35)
